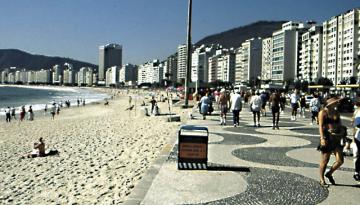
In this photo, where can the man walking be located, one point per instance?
(236, 106)
(8, 116)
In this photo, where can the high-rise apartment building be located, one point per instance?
(31, 77)
(266, 58)
(109, 55)
(112, 76)
(226, 66)
(85, 76)
(340, 49)
(181, 63)
(43, 76)
(150, 72)
(249, 60)
(311, 54)
(69, 74)
(57, 74)
(285, 53)
(172, 67)
(200, 63)
(128, 73)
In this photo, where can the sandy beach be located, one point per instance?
(103, 153)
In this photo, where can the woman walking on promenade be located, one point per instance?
(255, 107)
(331, 133)
(294, 100)
(223, 102)
(275, 109)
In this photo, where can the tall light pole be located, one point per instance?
(188, 65)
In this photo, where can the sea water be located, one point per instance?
(38, 97)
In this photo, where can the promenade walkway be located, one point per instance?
(250, 165)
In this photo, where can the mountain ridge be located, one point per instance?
(22, 59)
(235, 36)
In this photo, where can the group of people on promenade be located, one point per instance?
(325, 113)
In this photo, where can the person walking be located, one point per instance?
(53, 110)
(13, 113)
(275, 109)
(7, 114)
(31, 113)
(331, 132)
(356, 140)
(236, 107)
(264, 99)
(255, 106)
(22, 113)
(314, 108)
(223, 104)
(302, 106)
(294, 101)
(282, 102)
(205, 105)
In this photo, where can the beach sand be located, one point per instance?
(103, 152)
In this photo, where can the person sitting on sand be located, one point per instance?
(39, 149)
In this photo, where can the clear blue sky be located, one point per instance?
(147, 29)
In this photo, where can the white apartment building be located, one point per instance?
(285, 53)
(266, 58)
(4, 76)
(31, 77)
(57, 74)
(85, 76)
(249, 60)
(200, 63)
(213, 67)
(21, 76)
(128, 73)
(181, 63)
(43, 76)
(311, 54)
(69, 77)
(226, 67)
(341, 46)
(112, 76)
(150, 72)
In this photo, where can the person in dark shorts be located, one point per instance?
(275, 108)
(331, 132)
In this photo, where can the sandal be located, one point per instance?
(324, 184)
(331, 178)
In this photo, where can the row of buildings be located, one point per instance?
(296, 51)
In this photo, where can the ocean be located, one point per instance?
(15, 96)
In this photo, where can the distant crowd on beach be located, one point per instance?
(54, 109)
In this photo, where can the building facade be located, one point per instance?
(109, 55)
(266, 58)
(150, 72)
(128, 73)
(181, 63)
(311, 54)
(340, 49)
(249, 61)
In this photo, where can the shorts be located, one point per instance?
(275, 109)
(294, 105)
(263, 105)
(223, 109)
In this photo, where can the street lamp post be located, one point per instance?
(188, 66)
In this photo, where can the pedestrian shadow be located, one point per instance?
(220, 167)
(348, 185)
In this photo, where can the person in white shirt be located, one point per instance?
(236, 107)
(294, 101)
(8, 116)
(255, 106)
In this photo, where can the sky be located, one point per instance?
(147, 29)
